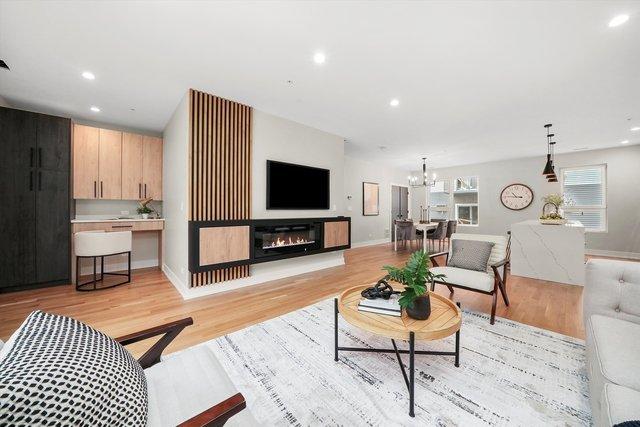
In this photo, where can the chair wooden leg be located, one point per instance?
(503, 292)
(450, 289)
(433, 286)
(493, 308)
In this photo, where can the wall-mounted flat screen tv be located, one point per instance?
(292, 186)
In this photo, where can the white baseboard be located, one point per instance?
(175, 281)
(614, 254)
(277, 273)
(371, 242)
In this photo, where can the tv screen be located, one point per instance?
(292, 186)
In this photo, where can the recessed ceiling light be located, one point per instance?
(88, 75)
(635, 129)
(618, 20)
(319, 58)
(394, 102)
(626, 141)
(95, 109)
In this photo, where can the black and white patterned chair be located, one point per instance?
(55, 370)
(488, 281)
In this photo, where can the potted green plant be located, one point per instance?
(551, 211)
(415, 276)
(144, 211)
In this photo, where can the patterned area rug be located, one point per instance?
(510, 374)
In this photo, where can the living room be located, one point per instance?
(319, 213)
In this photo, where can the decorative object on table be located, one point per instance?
(414, 181)
(551, 212)
(382, 289)
(144, 209)
(549, 169)
(414, 276)
(370, 199)
(516, 196)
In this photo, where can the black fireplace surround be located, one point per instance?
(270, 239)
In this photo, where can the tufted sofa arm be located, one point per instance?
(612, 288)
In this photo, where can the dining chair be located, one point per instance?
(452, 226)
(405, 231)
(438, 234)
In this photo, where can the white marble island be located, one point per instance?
(548, 252)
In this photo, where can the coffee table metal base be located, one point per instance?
(410, 380)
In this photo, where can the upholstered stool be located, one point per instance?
(99, 244)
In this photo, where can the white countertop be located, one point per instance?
(531, 222)
(112, 219)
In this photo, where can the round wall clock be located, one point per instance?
(516, 196)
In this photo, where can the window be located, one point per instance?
(586, 190)
(467, 213)
(465, 200)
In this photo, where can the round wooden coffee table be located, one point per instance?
(445, 320)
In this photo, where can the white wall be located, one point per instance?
(369, 229)
(623, 197)
(175, 170)
(3, 102)
(275, 138)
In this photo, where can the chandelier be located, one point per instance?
(414, 180)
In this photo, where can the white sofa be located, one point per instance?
(611, 310)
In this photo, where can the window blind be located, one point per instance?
(585, 190)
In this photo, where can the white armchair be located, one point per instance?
(488, 282)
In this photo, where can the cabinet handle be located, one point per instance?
(145, 191)
(39, 157)
(30, 180)
(139, 191)
(101, 193)
(39, 181)
(95, 190)
(31, 153)
(121, 226)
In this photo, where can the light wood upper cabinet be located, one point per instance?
(115, 165)
(86, 143)
(151, 167)
(110, 165)
(131, 166)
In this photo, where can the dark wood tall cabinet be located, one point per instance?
(35, 201)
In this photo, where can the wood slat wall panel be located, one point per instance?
(219, 167)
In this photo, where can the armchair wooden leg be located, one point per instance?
(433, 286)
(450, 289)
(493, 308)
(503, 292)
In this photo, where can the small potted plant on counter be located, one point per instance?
(144, 209)
(415, 276)
(551, 211)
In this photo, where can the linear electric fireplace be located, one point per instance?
(228, 243)
(275, 240)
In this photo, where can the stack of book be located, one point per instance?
(389, 307)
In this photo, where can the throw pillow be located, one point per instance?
(60, 371)
(470, 254)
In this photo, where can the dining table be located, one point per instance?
(423, 226)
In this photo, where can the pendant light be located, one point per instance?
(552, 177)
(548, 167)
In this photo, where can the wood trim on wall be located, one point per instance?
(220, 142)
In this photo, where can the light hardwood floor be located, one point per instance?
(151, 300)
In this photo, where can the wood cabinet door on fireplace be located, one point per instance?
(336, 233)
(86, 143)
(110, 165)
(152, 167)
(132, 180)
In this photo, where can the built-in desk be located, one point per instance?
(134, 225)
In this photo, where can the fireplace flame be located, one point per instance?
(289, 241)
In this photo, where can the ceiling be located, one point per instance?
(476, 81)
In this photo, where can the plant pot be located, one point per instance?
(145, 216)
(420, 309)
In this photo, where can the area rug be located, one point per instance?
(510, 374)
